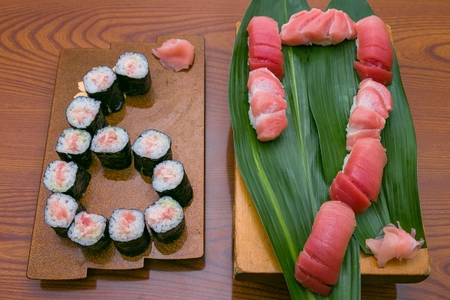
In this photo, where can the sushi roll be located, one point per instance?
(60, 212)
(85, 113)
(170, 179)
(112, 147)
(74, 145)
(133, 73)
(101, 84)
(90, 231)
(66, 177)
(165, 218)
(128, 231)
(149, 149)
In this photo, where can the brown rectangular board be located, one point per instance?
(255, 260)
(174, 105)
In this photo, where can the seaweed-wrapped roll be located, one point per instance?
(90, 231)
(112, 147)
(101, 84)
(165, 218)
(133, 73)
(170, 179)
(60, 212)
(85, 113)
(66, 177)
(74, 145)
(149, 149)
(128, 231)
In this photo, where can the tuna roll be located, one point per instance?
(90, 231)
(149, 149)
(165, 218)
(60, 212)
(101, 84)
(112, 147)
(128, 231)
(133, 73)
(85, 113)
(170, 179)
(66, 177)
(74, 145)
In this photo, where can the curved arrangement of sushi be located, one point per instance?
(91, 136)
(317, 27)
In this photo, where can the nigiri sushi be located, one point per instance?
(374, 51)
(342, 189)
(318, 27)
(319, 263)
(394, 243)
(265, 45)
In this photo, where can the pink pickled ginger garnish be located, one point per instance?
(396, 243)
(175, 54)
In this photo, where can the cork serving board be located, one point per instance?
(174, 105)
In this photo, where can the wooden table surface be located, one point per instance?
(32, 34)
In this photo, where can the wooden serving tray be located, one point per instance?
(174, 105)
(255, 260)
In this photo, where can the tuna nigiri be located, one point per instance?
(394, 243)
(318, 265)
(317, 27)
(265, 45)
(374, 51)
(342, 189)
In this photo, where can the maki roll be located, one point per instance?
(165, 218)
(101, 83)
(90, 231)
(170, 179)
(74, 145)
(85, 113)
(133, 73)
(112, 147)
(128, 231)
(149, 149)
(60, 212)
(67, 178)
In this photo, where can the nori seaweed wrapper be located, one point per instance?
(111, 99)
(134, 247)
(101, 244)
(83, 159)
(183, 192)
(119, 160)
(82, 180)
(170, 235)
(145, 165)
(134, 86)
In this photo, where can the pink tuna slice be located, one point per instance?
(326, 245)
(175, 54)
(291, 32)
(396, 243)
(339, 29)
(266, 52)
(342, 189)
(364, 166)
(369, 71)
(266, 103)
(384, 92)
(263, 80)
(270, 126)
(263, 30)
(370, 97)
(363, 117)
(317, 31)
(58, 210)
(354, 135)
(276, 69)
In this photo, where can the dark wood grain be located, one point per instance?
(32, 33)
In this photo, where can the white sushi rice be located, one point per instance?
(164, 215)
(73, 141)
(87, 229)
(167, 175)
(60, 176)
(132, 64)
(109, 139)
(152, 144)
(82, 111)
(123, 229)
(60, 210)
(99, 79)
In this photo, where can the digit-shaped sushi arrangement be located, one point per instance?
(89, 135)
(359, 182)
